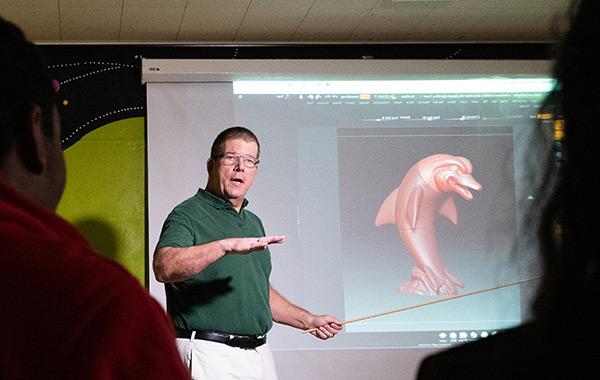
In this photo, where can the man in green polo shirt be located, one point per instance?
(214, 259)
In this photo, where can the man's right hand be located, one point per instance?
(243, 246)
(174, 264)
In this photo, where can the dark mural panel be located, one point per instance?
(100, 83)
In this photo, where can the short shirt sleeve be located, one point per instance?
(176, 231)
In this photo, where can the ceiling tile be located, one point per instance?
(269, 24)
(218, 4)
(392, 6)
(344, 4)
(384, 26)
(534, 4)
(90, 24)
(210, 24)
(329, 24)
(150, 24)
(29, 3)
(285, 20)
(164, 4)
(513, 25)
(90, 4)
(446, 24)
(470, 4)
(282, 4)
(38, 23)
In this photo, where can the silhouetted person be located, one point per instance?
(561, 340)
(67, 313)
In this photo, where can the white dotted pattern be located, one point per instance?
(113, 66)
(83, 126)
(91, 63)
(457, 52)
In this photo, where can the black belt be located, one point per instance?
(241, 341)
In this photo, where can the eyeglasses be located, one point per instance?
(233, 159)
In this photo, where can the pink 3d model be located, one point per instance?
(425, 191)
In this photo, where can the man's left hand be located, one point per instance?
(326, 326)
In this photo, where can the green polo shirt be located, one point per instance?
(232, 294)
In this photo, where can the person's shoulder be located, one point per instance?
(251, 214)
(68, 262)
(513, 352)
(68, 276)
(196, 202)
(253, 218)
(192, 201)
(111, 309)
(80, 263)
(99, 288)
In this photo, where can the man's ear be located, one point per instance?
(32, 145)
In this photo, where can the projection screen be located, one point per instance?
(347, 148)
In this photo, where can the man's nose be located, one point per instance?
(240, 166)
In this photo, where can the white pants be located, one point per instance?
(218, 361)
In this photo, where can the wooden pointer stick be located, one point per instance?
(430, 302)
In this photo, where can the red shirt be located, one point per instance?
(68, 313)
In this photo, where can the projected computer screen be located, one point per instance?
(391, 192)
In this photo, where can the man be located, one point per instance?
(67, 313)
(214, 259)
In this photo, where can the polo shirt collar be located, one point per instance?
(217, 202)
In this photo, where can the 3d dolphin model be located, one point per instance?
(425, 191)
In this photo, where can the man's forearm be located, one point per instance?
(174, 264)
(283, 311)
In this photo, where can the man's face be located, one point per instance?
(232, 182)
(56, 172)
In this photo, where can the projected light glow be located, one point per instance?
(331, 151)
(464, 86)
